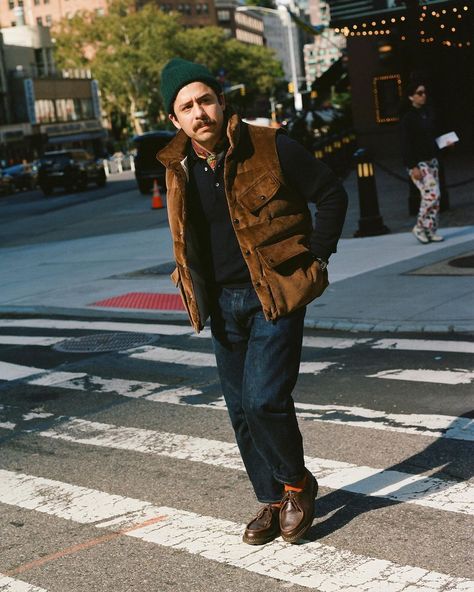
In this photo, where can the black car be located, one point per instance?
(147, 168)
(70, 169)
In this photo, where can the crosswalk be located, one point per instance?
(160, 405)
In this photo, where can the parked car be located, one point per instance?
(70, 169)
(23, 176)
(147, 168)
(6, 183)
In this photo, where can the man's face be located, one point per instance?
(199, 112)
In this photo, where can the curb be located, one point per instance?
(369, 326)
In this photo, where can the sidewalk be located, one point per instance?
(372, 285)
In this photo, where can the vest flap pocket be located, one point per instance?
(278, 253)
(175, 276)
(259, 193)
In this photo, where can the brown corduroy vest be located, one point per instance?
(272, 224)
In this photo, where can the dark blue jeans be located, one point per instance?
(258, 363)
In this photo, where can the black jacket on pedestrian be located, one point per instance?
(418, 129)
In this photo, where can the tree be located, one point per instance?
(264, 3)
(127, 49)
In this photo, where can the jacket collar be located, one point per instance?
(176, 151)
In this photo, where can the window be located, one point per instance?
(99, 11)
(45, 1)
(49, 19)
(11, 4)
(205, 8)
(39, 20)
(44, 110)
(37, 2)
(223, 15)
(20, 3)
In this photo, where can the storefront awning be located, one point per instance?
(77, 137)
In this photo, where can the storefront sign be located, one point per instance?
(30, 99)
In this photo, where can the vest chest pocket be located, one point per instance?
(259, 193)
(287, 255)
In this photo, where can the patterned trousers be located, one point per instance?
(429, 189)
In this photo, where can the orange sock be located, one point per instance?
(276, 505)
(298, 486)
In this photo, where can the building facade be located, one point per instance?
(326, 48)
(45, 109)
(430, 43)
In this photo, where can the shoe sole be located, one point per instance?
(259, 542)
(423, 242)
(304, 529)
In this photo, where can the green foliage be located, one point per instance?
(127, 49)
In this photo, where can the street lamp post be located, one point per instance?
(286, 19)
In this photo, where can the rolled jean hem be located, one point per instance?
(263, 501)
(289, 481)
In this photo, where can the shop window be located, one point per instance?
(223, 15)
(44, 110)
(387, 94)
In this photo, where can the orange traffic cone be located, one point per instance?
(156, 201)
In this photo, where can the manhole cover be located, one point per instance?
(104, 342)
(463, 262)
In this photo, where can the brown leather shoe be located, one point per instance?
(297, 511)
(264, 527)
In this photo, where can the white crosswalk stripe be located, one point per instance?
(440, 494)
(318, 566)
(439, 426)
(315, 566)
(458, 376)
(13, 585)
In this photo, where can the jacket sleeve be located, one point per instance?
(408, 141)
(316, 183)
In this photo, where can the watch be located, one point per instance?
(322, 263)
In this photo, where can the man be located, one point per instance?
(248, 257)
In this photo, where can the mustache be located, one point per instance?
(203, 123)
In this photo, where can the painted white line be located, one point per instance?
(7, 425)
(457, 376)
(450, 496)
(317, 342)
(84, 382)
(202, 359)
(29, 340)
(11, 585)
(313, 565)
(14, 371)
(436, 426)
(464, 347)
(153, 328)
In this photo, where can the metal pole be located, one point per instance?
(294, 77)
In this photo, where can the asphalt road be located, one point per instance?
(118, 470)
(30, 217)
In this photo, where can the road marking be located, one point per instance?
(29, 340)
(465, 347)
(436, 426)
(202, 359)
(8, 584)
(449, 496)
(85, 545)
(14, 371)
(154, 328)
(457, 376)
(313, 565)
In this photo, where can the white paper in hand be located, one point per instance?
(446, 140)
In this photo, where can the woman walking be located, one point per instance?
(420, 157)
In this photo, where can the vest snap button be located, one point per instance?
(257, 284)
(236, 220)
(247, 252)
(262, 197)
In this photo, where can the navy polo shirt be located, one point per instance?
(208, 212)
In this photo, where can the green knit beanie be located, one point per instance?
(178, 73)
